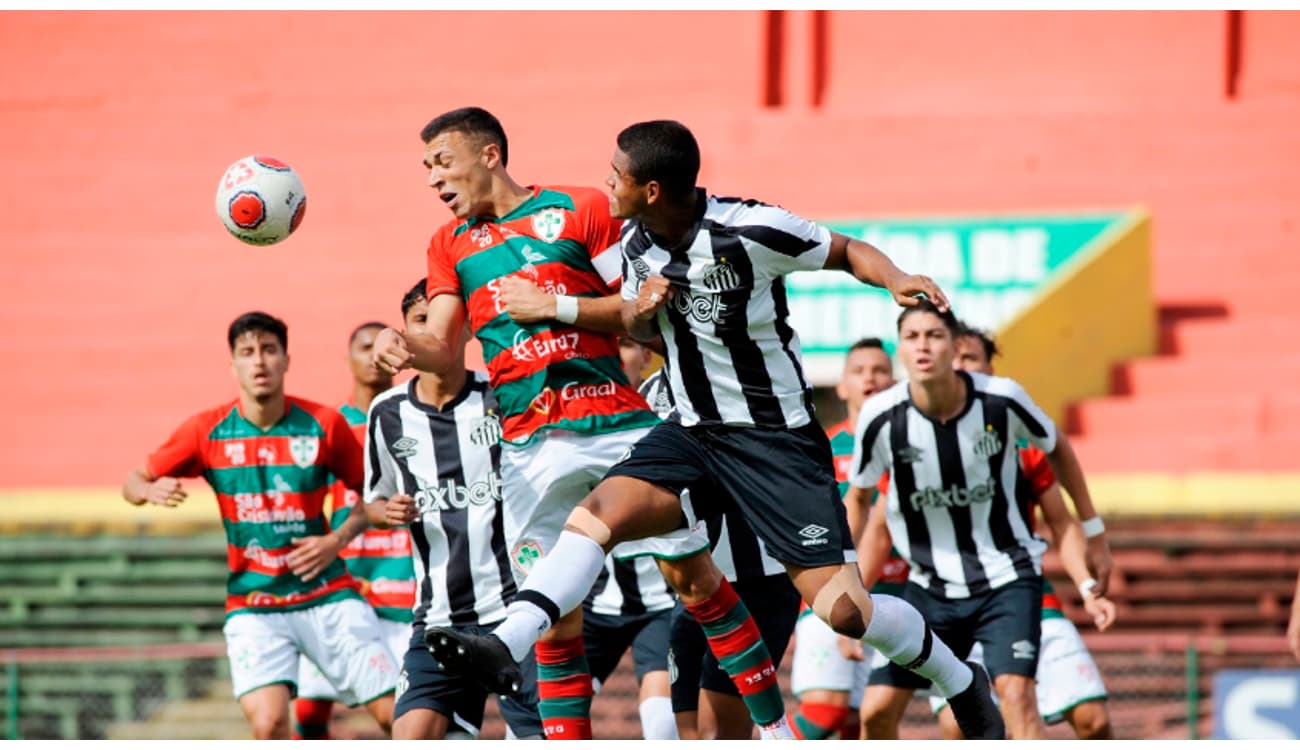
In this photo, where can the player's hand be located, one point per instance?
(524, 302)
(1293, 634)
(312, 554)
(165, 491)
(905, 289)
(400, 510)
(1102, 610)
(389, 352)
(1100, 564)
(851, 648)
(655, 293)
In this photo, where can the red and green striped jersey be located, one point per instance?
(380, 559)
(270, 487)
(894, 573)
(1033, 461)
(547, 375)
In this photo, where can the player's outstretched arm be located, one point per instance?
(1070, 474)
(870, 266)
(140, 489)
(433, 349)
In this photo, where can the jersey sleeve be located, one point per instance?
(180, 455)
(601, 233)
(870, 450)
(345, 455)
(381, 478)
(784, 241)
(442, 277)
(1028, 421)
(1036, 467)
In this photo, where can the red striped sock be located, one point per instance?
(818, 721)
(312, 719)
(736, 642)
(564, 689)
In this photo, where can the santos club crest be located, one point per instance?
(548, 225)
(304, 450)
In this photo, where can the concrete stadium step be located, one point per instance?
(1233, 409)
(1178, 451)
(1227, 338)
(1195, 375)
(216, 716)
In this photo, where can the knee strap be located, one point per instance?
(843, 603)
(585, 522)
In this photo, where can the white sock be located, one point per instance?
(562, 579)
(899, 632)
(777, 730)
(657, 720)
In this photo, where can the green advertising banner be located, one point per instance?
(991, 268)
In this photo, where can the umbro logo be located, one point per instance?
(1023, 650)
(403, 447)
(813, 535)
(909, 454)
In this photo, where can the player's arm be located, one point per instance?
(1293, 629)
(385, 506)
(141, 488)
(870, 266)
(1065, 463)
(525, 302)
(1072, 546)
(874, 546)
(434, 350)
(640, 312)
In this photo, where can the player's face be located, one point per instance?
(971, 356)
(460, 172)
(363, 371)
(867, 371)
(417, 317)
(627, 197)
(259, 364)
(925, 347)
(635, 359)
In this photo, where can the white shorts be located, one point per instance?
(312, 683)
(543, 482)
(671, 546)
(1066, 676)
(819, 665)
(342, 638)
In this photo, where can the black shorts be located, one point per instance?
(607, 637)
(423, 684)
(781, 481)
(1007, 621)
(772, 601)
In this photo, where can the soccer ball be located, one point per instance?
(261, 200)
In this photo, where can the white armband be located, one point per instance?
(1093, 527)
(566, 309)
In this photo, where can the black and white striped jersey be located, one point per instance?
(449, 461)
(630, 587)
(734, 358)
(736, 549)
(952, 504)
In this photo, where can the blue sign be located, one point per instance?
(1257, 704)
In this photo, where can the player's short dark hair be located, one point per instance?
(356, 331)
(662, 151)
(985, 339)
(869, 342)
(413, 295)
(926, 306)
(258, 322)
(474, 122)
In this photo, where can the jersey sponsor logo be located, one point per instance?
(265, 558)
(389, 587)
(543, 402)
(251, 507)
(702, 308)
(529, 348)
(548, 225)
(989, 443)
(452, 495)
(235, 453)
(571, 391)
(533, 256)
(265, 455)
(485, 431)
(814, 535)
(403, 447)
(304, 450)
(953, 496)
(525, 554)
(377, 540)
(481, 236)
(721, 276)
(1023, 650)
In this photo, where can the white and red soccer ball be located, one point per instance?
(261, 200)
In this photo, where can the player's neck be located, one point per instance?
(264, 413)
(940, 400)
(507, 195)
(439, 391)
(362, 395)
(671, 224)
(852, 418)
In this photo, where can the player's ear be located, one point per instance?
(491, 155)
(652, 192)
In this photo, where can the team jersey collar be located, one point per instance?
(540, 199)
(970, 400)
(451, 405)
(288, 409)
(701, 206)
